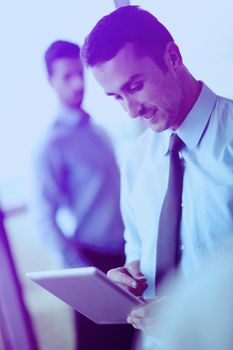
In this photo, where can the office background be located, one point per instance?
(204, 33)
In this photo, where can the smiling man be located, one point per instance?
(177, 185)
(145, 90)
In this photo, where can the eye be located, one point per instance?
(135, 87)
(70, 75)
(117, 97)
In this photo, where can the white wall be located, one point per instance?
(202, 29)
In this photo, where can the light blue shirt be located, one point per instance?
(76, 174)
(207, 200)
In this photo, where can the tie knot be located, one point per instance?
(176, 144)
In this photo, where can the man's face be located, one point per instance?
(143, 89)
(67, 81)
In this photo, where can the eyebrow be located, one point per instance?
(125, 85)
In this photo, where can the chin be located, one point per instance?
(157, 127)
(76, 104)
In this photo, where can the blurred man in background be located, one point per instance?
(77, 190)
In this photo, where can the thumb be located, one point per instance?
(134, 270)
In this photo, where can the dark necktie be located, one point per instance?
(169, 221)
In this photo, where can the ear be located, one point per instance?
(172, 57)
(50, 79)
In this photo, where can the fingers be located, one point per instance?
(143, 317)
(134, 270)
(129, 277)
(120, 275)
(140, 319)
(137, 318)
(141, 283)
(136, 323)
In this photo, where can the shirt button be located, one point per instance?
(181, 247)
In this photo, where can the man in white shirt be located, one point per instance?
(135, 60)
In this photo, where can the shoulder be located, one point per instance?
(218, 137)
(99, 131)
(47, 147)
(222, 119)
(224, 108)
(100, 138)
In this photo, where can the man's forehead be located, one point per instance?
(109, 78)
(119, 70)
(67, 61)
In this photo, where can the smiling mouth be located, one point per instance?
(151, 117)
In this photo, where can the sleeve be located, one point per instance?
(132, 238)
(48, 194)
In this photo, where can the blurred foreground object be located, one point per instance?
(199, 313)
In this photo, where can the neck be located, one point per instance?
(191, 90)
(71, 108)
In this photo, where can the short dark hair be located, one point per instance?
(127, 24)
(60, 49)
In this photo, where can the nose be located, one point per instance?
(77, 82)
(131, 106)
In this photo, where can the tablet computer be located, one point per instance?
(89, 291)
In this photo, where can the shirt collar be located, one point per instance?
(192, 128)
(71, 117)
(166, 140)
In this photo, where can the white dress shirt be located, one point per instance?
(207, 200)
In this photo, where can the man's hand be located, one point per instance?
(129, 277)
(144, 317)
